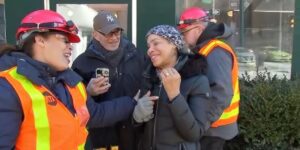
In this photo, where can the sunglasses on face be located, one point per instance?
(187, 30)
(191, 21)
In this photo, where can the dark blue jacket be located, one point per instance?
(11, 113)
(125, 81)
(179, 125)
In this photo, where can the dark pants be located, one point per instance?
(212, 143)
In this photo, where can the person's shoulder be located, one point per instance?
(219, 52)
(221, 49)
(81, 58)
(84, 54)
(6, 62)
(200, 84)
(71, 77)
(201, 78)
(197, 78)
(88, 52)
(132, 49)
(128, 44)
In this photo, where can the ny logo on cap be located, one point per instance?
(110, 18)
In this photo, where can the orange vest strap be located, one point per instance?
(230, 114)
(232, 107)
(79, 97)
(225, 121)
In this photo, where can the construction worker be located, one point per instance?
(208, 39)
(111, 52)
(43, 103)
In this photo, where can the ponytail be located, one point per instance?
(6, 48)
(27, 45)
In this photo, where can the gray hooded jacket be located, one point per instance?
(219, 68)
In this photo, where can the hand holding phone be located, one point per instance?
(104, 72)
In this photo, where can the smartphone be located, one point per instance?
(102, 72)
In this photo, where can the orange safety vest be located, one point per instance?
(230, 114)
(48, 124)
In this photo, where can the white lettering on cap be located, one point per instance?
(110, 18)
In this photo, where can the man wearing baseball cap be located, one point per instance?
(111, 51)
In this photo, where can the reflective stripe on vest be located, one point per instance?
(47, 123)
(230, 114)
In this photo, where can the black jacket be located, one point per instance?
(124, 80)
(179, 124)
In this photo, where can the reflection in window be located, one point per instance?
(265, 36)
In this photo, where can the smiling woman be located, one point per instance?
(43, 50)
(181, 115)
(48, 41)
(56, 50)
(43, 103)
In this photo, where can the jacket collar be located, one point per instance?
(94, 49)
(213, 30)
(188, 65)
(151, 73)
(37, 72)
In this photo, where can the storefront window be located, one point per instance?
(83, 14)
(263, 32)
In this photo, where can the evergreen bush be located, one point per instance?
(269, 114)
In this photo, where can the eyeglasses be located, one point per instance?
(68, 26)
(112, 33)
(191, 21)
(185, 31)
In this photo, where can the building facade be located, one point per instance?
(265, 32)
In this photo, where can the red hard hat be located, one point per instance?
(43, 21)
(191, 15)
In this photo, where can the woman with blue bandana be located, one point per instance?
(180, 116)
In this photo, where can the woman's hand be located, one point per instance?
(171, 80)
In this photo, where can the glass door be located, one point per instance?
(83, 14)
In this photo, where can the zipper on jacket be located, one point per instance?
(182, 146)
(117, 73)
(153, 141)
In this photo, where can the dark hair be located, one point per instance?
(27, 45)
(5, 48)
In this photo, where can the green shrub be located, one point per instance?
(269, 114)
